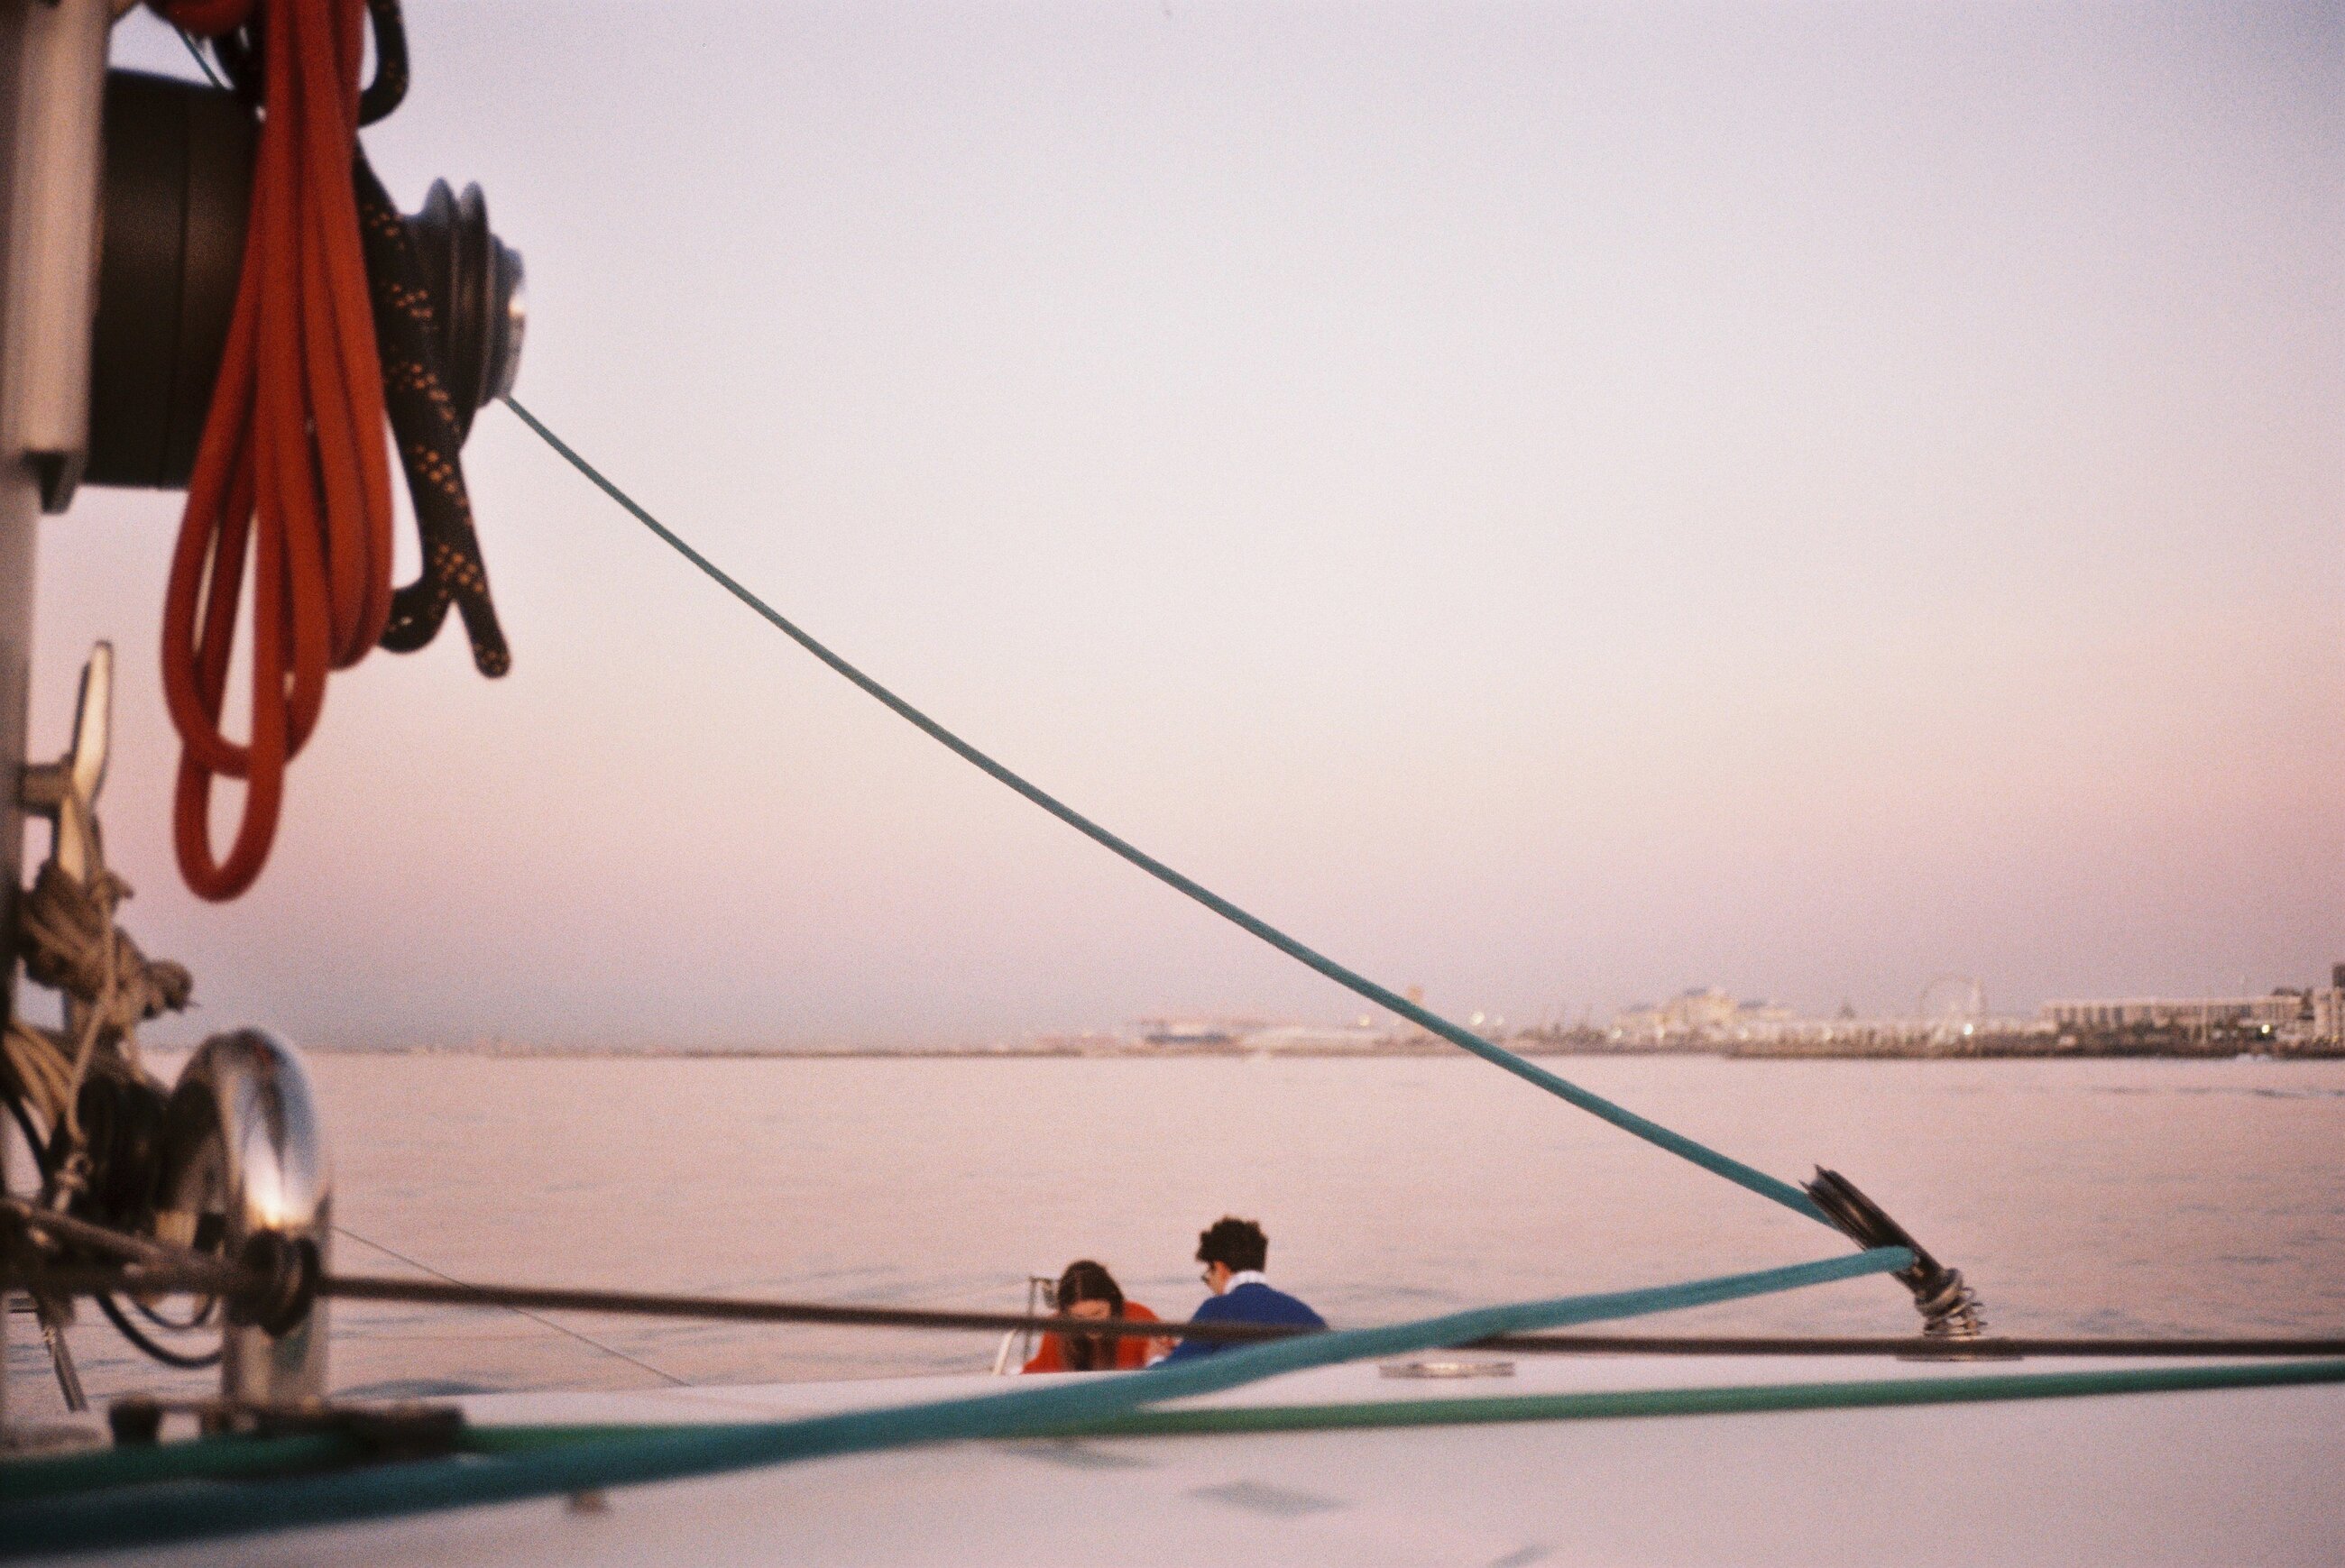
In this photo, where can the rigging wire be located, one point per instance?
(149, 1266)
(729, 1309)
(1652, 1132)
(488, 1301)
(202, 60)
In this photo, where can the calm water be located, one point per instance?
(2093, 1197)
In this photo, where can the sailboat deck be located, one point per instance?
(2204, 1477)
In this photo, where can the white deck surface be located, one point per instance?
(2251, 1476)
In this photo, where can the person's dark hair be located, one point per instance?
(1237, 1245)
(1084, 1280)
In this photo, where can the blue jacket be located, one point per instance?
(1250, 1302)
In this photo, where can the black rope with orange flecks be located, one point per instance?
(329, 342)
(423, 422)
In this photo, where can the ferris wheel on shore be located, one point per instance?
(1953, 1000)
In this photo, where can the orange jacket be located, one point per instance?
(1130, 1352)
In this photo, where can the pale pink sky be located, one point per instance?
(1551, 505)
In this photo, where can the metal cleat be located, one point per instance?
(66, 791)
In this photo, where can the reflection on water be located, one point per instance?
(2112, 1197)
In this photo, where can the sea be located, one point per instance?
(2101, 1197)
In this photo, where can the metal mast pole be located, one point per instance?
(52, 84)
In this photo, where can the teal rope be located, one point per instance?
(1870, 1393)
(232, 1458)
(216, 1458)
(1612, 1404)
(1652, 1132)
(182, 1512)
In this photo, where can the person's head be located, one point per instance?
(1230, 1245)
(1086, 1290)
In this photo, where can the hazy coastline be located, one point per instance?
(2004, 1047)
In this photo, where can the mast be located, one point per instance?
(110, 356)
(52, 81)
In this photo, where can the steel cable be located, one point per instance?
(156, 1267)
(1651, 1131)
(587, 1339)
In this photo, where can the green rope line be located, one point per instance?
(1749, 1398)
(218, 1458)
(1866, 1395)
(236, 1458)
(1652, 1132)
(181, 1510)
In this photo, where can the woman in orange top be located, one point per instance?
(1088, 1291)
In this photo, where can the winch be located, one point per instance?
(175, 208)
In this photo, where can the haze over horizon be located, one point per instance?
(1556, 506)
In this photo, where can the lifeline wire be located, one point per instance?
(587, 1339)
(1652, 1132)
(203, 1274)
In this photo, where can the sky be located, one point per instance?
(1550, 504)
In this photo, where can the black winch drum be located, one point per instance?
(177, 196)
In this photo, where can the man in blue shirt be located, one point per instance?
(1234, 1251)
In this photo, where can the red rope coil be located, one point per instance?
(291, 476)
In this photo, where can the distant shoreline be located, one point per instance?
(2030, 1049)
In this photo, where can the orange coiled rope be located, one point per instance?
(292, 475)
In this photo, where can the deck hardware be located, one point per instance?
(376, 1434)
(1949, 1309)
(244, 1147)
(1448, 1366)
(97, 1112)
(177, 197)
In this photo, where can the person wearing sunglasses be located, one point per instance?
(1234, 1251)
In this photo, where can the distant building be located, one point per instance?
(2310, 1022)
(1231, 1037)
(1708, 1018)
(1701, 1012)
(2176, 1011)
(2328, 1015)
(1188, 1035)
(2312, 1017)
(2324, 1009)
(2326, 1006)
(1365, 1039)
